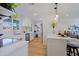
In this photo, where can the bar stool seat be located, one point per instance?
(72, 48)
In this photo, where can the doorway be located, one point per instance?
(38, 31)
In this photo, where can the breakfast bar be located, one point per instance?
(57, 46)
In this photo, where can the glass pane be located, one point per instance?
(7, 23)
(15, 25)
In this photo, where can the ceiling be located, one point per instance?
(40, 11)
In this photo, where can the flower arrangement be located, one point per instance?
(54, 24)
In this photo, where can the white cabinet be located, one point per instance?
(17, 49)
(56, 47)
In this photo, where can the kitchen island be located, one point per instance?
(57, 46)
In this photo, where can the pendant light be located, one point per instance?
(56, 11)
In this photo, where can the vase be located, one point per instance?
(53, 31)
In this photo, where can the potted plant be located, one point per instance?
(14, 17)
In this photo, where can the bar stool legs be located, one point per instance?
(72, 50)
(69, 51)
(77, 51)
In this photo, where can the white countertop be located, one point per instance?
(58, 37)
(70, 41)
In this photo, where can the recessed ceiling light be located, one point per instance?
(67, 14)
(40, 18)
(35, 14)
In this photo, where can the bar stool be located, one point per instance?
(72, 49)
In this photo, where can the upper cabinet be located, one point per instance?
(6, 12)
(9, 6)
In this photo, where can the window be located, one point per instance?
(7, 23)
(15, 24)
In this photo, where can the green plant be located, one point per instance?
(54, 24)
(12, 6)
(14, 17)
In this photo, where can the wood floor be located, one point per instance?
(36, 48)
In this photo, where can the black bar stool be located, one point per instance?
(72, 50)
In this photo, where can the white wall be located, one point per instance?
(64, 23)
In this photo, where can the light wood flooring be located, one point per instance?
(36, 48)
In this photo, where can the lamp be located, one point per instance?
(56, 11)
(55, 21)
